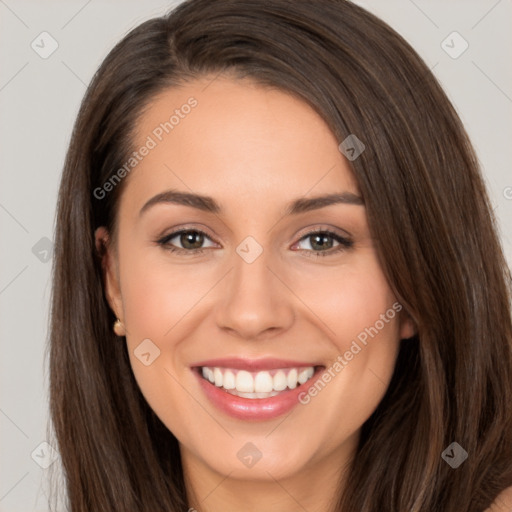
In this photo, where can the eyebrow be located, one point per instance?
(208, 204)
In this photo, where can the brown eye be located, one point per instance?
(186, 241)
(323, 243)
(191, 239)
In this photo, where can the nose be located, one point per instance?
(255, 304)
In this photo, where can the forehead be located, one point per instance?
(238, 142)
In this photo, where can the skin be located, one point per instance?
(254, 150)
(503, 503)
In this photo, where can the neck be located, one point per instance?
(314, 488)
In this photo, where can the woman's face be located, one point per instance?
(268, 285)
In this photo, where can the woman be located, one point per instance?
(277, 283)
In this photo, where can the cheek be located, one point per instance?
(351, 300)
(360, 315)
(167, 303)
(163, 302)
(157, 294)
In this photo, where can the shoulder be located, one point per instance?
(503, 502)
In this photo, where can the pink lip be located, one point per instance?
(253, 408)
(252, 365)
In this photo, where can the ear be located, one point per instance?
(110, 271)
(407, 325)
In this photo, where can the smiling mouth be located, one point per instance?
(257, 385)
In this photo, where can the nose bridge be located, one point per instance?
(254, 301)
(251, 270)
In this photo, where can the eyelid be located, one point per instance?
(303, 233)
(321, 228)
(345, 239)
(164, 241)
(344, 242)
(179, 229)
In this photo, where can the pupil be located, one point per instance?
(191, 240)
(321, 242)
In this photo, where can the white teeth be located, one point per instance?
(305, 375)
(208, 374)
(280, 381)
(244, 382)
(217, 375)
(263, 382)
(253, 395)
(292, 379)
(229, 380)
(258, 384)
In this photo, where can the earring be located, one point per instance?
(118, 328)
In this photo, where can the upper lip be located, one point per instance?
(254, 365)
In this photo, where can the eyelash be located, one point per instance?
(344, 243)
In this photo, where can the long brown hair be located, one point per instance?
(428, 213)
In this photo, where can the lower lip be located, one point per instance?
(253, 408)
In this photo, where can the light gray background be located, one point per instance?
(39, 99)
